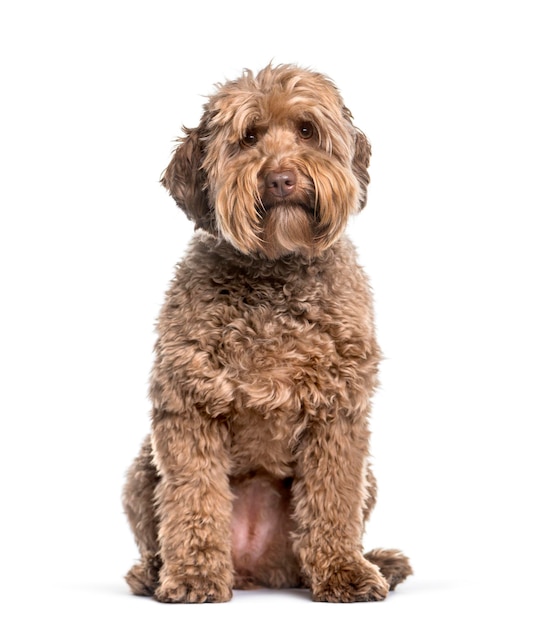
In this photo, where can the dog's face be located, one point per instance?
(275, 166)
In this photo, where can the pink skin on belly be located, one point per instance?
(260, 519)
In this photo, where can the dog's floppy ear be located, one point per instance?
(361, 161)
(186, 181)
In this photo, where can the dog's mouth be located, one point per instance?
(304, 200)
(310, 210)
(289, 215)
(288, 227)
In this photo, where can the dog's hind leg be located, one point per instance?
(138, 502)
(371, 494)
(394, 565)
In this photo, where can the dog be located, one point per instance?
(256, 472)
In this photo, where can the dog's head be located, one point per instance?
(275, 166)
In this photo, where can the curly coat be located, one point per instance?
(256, 472)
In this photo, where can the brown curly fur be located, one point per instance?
(256, 472)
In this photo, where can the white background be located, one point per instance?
(93, 95)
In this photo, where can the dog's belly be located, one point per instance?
(261, 526)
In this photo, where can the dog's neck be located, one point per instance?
(225, 253)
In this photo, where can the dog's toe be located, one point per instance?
(358, 582)
(193, 590)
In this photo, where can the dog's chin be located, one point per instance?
(288, 229)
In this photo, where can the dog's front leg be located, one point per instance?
(329, 498)
(194, 507)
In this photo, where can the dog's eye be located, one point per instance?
(250, 137)
(306, 130)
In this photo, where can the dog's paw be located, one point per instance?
(143, 576)
(394, 565)
(194, 589)
(354, 582)
(140, 581)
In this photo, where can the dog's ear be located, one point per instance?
(186, 181)
(361, 161)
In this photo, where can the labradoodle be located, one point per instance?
(256, 472)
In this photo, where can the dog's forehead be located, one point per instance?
(275, 95)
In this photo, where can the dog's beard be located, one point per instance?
(287, 228)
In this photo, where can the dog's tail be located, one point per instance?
(394, 565)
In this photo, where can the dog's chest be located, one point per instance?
(268, 353)
(283, 365)
(274, 341)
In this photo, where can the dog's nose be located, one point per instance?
(281, 184)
